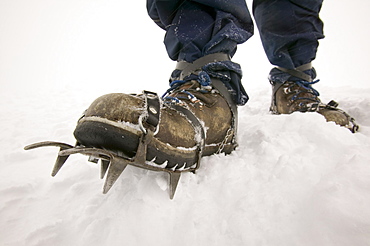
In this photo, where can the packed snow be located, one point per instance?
(293, 180)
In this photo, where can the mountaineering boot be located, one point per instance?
(297, 95)
(196, 117)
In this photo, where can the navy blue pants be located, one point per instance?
(289, 29)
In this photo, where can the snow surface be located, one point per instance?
(294, 180)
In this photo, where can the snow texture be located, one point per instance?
(294, 179)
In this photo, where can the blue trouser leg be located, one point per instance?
(201, 27)
(289, 30)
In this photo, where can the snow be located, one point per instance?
(294, 179)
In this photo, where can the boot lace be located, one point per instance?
(304, 92)
(187, 94)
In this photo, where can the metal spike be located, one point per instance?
(116, 167)
(174, 180)
(104, 168)
(59, 162)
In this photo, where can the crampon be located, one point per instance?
(112, 164)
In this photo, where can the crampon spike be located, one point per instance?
(174, 180)
(116, 167)
(104, 168)
(59, 163)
